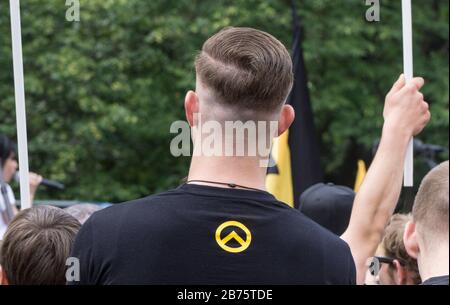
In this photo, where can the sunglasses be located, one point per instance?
(374, 263)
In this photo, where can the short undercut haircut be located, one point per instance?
(430, 209)
(246, 68)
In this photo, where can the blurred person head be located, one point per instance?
(242, 74)
(8, 162)
(396, 266)
(82, 211)
(426, 235)
(329, 205)
(36, 246)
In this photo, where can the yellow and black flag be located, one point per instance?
(296, 152)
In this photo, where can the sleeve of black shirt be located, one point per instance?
(352, 269)
(83, 251)
(341, 264)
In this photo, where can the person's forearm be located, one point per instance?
(406, 114)
(381, 187)
(376, 200)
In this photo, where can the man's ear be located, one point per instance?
(191, 106)
(287, 116)
(400, 273)
(3, 280)
(410, 240)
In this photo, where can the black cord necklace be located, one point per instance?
(230, 185)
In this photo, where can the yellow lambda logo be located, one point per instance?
(243, 244)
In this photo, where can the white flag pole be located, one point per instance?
(408, 71)
(16, 37)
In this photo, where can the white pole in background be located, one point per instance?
(19, 89)
(408, 71)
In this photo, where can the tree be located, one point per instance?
(102, 92)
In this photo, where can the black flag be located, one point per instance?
(296, 153)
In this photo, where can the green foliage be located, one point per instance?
(101, 93)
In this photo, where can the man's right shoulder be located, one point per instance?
(302, 223)
(304, 226)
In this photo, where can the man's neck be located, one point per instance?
(435, 264)
(243, 171)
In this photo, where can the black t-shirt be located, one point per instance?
(208, 235)
(438, 280)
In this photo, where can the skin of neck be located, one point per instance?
(245, 171)
(434, 262)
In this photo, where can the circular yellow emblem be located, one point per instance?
(243, 243)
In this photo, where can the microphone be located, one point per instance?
(46, 182)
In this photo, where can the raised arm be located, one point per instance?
(405, 115)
